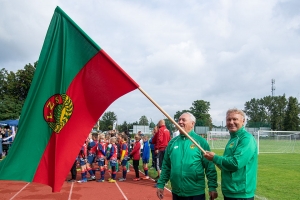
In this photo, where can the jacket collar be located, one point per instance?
(238, 132)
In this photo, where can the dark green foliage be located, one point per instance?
(14, 88)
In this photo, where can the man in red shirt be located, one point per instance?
(161, 140)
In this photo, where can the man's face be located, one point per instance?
(234, 121)
(185, 122)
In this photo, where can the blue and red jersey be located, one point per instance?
(113, 152)
(83, 152)
(92, 147)
(101, 149)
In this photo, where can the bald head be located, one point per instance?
(161, 122)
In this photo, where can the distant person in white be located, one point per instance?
(176, 133)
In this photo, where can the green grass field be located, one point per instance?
(278, 176)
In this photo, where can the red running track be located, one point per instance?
(127, 190)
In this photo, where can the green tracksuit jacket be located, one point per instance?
(238, 165)
(186, 167)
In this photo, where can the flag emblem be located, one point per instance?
(57, 111)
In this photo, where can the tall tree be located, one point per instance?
(179, 113)
(14, 88)
(108, 118)
(144, 121)
(123, 127)
(200, 109)
(278, 107)
(257, 114)
(292, 120)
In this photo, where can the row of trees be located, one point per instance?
(276, 112)
(108, 118)
(13, 91)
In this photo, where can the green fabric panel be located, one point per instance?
(65, 51)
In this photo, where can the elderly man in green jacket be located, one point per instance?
(239, 161)
(185, 166)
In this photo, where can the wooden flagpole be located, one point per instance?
(172, 120)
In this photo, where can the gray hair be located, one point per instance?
(192, 117)
(235, 110)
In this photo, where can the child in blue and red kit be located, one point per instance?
(112, 157)
(101, 156)
(82, 158)
(135, 154)
(124, 156)
(146, 156)
(92, 150)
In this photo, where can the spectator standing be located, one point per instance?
(124, 156)
(92, 151)
(161, 140)
(135, 154)
(152, 148)
(112, 157)
(239, 161)
(101, 153)
(146, 156)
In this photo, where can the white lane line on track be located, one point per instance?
(71, 191)
(19, 191)
(121, 191)
(119, 188)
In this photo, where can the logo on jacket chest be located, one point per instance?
(231, 145)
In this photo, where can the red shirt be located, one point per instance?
(136, 151)
(161, 138)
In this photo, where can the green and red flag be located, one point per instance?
(74, 83)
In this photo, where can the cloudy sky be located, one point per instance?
(223, 52)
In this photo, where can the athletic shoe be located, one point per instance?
(112, 181)
(109, 179)
(92, 178)
(82, 181)
(100, 180)
(122, 179)
(136, 179)
(71, 180)
(145, 178)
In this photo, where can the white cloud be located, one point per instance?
(225, 52)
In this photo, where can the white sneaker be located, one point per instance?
(128, 170)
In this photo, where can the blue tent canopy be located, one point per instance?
(10, 122)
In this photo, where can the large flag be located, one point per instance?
(74, 83)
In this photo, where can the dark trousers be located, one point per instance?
(73, 170)
(136, 167)
(153, 159)
(198, 197)
(227, 198)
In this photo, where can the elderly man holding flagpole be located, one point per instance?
(185, 166)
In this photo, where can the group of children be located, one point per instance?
(115, 152)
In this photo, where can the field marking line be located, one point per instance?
(71, 191)
(19, 191)
(119, 189)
